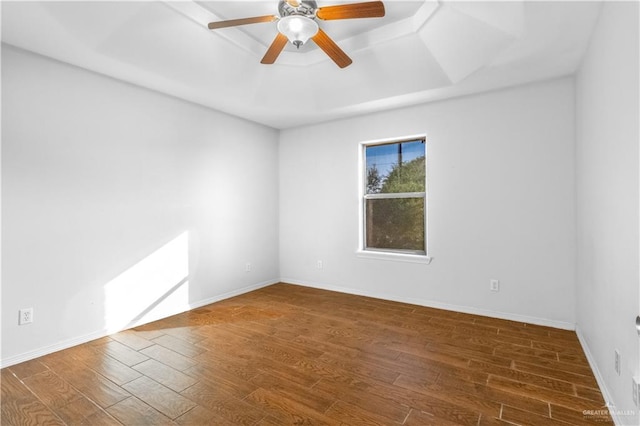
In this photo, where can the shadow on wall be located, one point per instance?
(155, 287)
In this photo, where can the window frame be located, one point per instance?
(418, 256)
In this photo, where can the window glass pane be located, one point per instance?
(395, 167)
(395, 223)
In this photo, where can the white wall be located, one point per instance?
(608, 134)
(501, 204)
(123, 204)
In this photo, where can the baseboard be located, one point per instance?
(46, 350)
(438, 305)
(231, 294)
(599, 379)
(17, 359)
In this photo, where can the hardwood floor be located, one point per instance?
(293, 355)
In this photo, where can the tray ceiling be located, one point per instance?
(420, 51)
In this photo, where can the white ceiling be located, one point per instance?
(420, 51)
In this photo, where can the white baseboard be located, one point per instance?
(438, 305)
(231, 294)
(46, 350)
(65, 344)
(599, 379)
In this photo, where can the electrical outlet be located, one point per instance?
(319, 264)
(635, 381)
(494, 285)
(247, 267)
(616, 361)
(25, 316)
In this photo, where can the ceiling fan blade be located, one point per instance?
(242, 21)
(274, 50)
(372, 9)
(325, 43)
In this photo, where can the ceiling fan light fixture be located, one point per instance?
(297, 28)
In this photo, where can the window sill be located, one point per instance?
(394, 257)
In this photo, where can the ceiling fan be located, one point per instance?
(297, 24)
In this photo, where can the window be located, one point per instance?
(394, 197)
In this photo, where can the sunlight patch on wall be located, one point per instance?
(155, 287)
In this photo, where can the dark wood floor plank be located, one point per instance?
(345, 413)
(148, 331)
(537, 361)
(131, 339)
(429, 358)
(92, 385)
(230, 382)
(12, 387)
(133, 411)
(469, 400)
(28, 368)
(122, 353)
(493, 421)
(287, 410)
(19, 406)
(544, 394)
(420, 418)
(168, 357)
(178, 345)
(341, 351)
(163, 399)
(590, 393)
(447, 406)
(165, 375)
(200, 416)
(514, 415)
(452, 385)
(311, 397)
(84, 411)
(21, 411)
(301, 376)
(520, 376)
(59, 363)
(470, 352)
(385, 406)
(53, 391)
(224, 404)
(112, 369)
(243, 369)
(559, 372)
(505, 350)
(286, 354)
(100, 418)
(383, 371)
(274, 329)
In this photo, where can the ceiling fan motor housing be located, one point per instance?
(304, 8)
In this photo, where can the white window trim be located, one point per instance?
(393, 256)
(389, 255)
